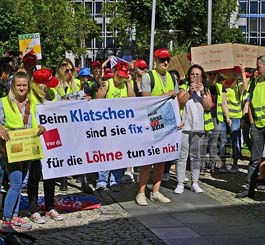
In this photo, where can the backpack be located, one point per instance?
(152, 79)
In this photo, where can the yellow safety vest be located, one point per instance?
(14, 119)
(114, 92)
(258, 104)
(220, 115)
(159, 87)
(234, 102)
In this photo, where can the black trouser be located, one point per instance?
(35, 174)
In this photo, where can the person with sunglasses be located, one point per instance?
(163, 85)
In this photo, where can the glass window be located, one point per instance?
(243, 7)
(253, 7)
(99, 43)
(253, 41)
(243, 28)
(98, 8)
(109, 42)
(253, 25)
(263, 7)
(262, 25)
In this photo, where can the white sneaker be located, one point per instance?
(141, 199)
(179, 189)
(165, 177)
(196, 188)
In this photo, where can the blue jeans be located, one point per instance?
(114, 177)
(16, 174)
(235, 136)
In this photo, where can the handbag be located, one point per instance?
(25, 121)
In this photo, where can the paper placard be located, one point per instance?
(213, 57)
(180, 63)
(24, 145)
(28, 42)
(225, 56)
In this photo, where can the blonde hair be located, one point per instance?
(12, 92)
(60, 74)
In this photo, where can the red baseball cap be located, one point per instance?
(44, 76)
(95, 63)
(122, 69)
(108, 73)
(30, 58)
(162, 53)
(140, 64)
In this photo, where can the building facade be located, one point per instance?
(252, 20)
(107, 44)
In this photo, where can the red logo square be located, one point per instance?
(52, 139)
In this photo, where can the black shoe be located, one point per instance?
(244, 194)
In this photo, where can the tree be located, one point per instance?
(62, 24)
(188, 16)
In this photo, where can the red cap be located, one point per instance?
(95, 63)
(162, 53)
(248, 74)
(108, 73)
(30, 58)
(140, 64)
(122, 69)
(44, 76)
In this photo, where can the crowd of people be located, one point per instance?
(211, 104)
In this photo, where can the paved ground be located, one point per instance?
(214, 217)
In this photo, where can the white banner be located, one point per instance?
(90, 136)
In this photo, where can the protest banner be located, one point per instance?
(90, 136)
(28, 42)
(180, 63)
(24, 144)
(225, 56)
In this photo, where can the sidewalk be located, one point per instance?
(213, 217)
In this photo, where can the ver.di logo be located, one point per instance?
(52, 139)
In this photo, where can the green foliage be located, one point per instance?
(62, 24)
(187, 16)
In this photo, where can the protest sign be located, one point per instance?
(225, 56)
(180, 63)
(103, 134)
(213, 57)
(28, 42)
(24, 144)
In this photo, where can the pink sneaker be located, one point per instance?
(53, 214)
(19, 223)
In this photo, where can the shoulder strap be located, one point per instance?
(26, 114)
(152, 79)
(173, 78)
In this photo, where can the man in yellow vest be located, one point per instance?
(163, 84)
(232, 92)
(257, 120)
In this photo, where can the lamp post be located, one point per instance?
(152, 35)
(209, 26)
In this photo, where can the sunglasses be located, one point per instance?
(195, 74)
(162, 60)
(141, 68)
(68, 70)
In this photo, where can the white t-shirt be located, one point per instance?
(193, 114)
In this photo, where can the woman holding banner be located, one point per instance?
(16, 112)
